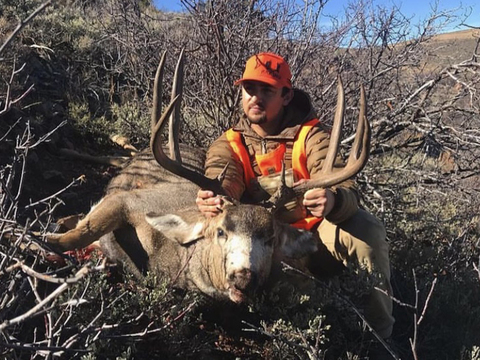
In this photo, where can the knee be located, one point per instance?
(367, 229)
(362, 237)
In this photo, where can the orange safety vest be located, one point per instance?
(272, 162)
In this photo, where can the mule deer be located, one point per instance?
(156, 227)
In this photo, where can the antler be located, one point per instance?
(174, 124)
(163, 160)
(356, 161)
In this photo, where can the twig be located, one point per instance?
(413, 341)
(395, 299)
(47, 135)
(427, 301)
(274, 336)
(147, 332)
(23, 23)
(74, 182)
(477, 270)
(74, 338)
(78, 276)
(10, 268)
(29, 271)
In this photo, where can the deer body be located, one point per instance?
(156, 227)
(228, 256)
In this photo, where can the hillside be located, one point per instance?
(453, 47)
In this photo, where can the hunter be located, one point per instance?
(279, 124)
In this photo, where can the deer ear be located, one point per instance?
(174, 227)
(295, 243)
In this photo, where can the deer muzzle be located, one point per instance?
(242, 284)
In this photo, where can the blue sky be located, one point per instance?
(418, 9)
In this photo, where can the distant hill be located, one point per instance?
(458, 35)
(453, 47)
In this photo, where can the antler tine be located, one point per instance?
(172, 165)
(359, 153)
(157, 92)
(361, 145)
(174, 122)
(336, 132)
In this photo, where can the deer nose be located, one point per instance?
(244, 279)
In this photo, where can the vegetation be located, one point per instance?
(78, 72)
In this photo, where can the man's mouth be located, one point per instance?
(256, 108)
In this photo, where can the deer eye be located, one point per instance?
(220, 233)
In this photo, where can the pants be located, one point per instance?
(360, 239)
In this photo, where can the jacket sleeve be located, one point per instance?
(346, 196)
(219, 154)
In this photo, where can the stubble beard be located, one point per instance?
(257, 120)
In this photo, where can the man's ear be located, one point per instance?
(176, 228)
(295, 243)
(287, 96)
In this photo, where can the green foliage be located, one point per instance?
(310, 318)
(127, 120)
(133, 121)
(87, 124)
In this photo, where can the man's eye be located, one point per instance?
(248, 89)
(268, 91)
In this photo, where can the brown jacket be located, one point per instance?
(297, 112)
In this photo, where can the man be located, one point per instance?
(279, 123)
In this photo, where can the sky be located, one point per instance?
(417, 9)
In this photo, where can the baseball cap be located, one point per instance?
(268, 68)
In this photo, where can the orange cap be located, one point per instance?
(268, 68)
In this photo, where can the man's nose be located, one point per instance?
(256, 97)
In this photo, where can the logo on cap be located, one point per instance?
(268, 67)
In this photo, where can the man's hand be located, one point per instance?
(208, 203)
(319, 202)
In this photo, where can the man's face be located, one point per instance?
(261, 102)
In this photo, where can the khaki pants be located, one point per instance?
(360, 239)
